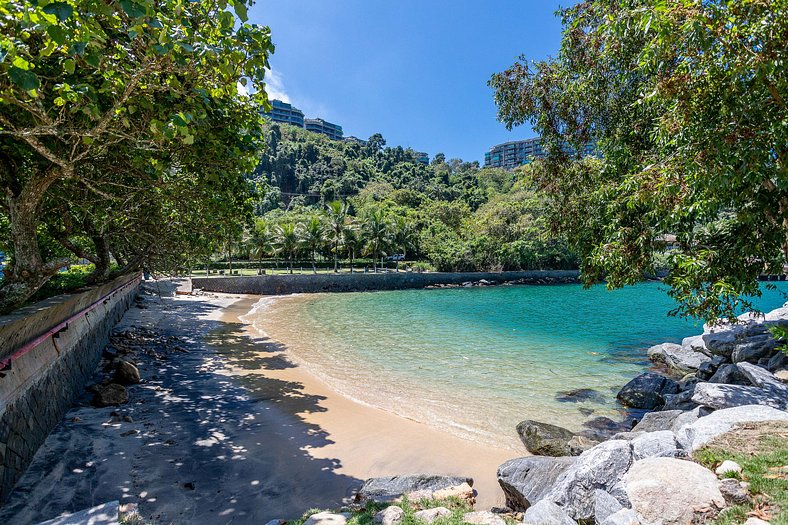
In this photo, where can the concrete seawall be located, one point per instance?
(362, 282)
(48, 370)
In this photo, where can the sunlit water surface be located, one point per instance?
(476, 361)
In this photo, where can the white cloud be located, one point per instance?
(275, 86)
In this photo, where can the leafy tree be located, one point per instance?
(288, 242)
(337, 223)
(686, 102)
(352, 242)
(120, 99)
(376, 233)
(404, 236)
(313, 238)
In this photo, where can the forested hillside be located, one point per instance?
(453, 214)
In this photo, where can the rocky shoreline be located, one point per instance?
(709, 387)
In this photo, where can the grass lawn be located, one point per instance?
(762, 452)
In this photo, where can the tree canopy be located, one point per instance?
(124, 130)
(686, 102)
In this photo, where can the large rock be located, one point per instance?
(126, 373)
(678, 358)
(389, 516)
(605, 505)
(728, 374)
(547, 513)
(695, 343)
(110, 395)
(598, 468)
(681, 401)
(544, 439)
(686, 418)
(388, 489)
(483, 517)
(647, 391)
(104, 514)
(718, 396)
(527, 480)
(622, 517)
(430, 515)
(754, 349)
(667, 491)
(653, 421)
(328, 518)
(660, 444)
(695, 435)
(579, 444)
(763, 378)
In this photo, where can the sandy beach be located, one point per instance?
(230, 430)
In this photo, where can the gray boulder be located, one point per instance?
(729, 375)
(763, 378)
(695, 342)
(527, 480)
(660, 444)
(605, 505)
(733, 492)
(622, 517)
(388, 489)
(692, 436)
(483, 517)
(668, 491)
(110, 395)
(754, 348)
(544, 439)
(430, 515)
(778, 361)
(653, 421)
(678, 358)
(706, 371)
(126, 373)
(680, 401)
(328, 518)
(579, 444)
(686, 418)
(647, 391)
(547, 513)
(726, 396)
(389, 516)
(598, 468)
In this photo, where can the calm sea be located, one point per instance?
(476, 361)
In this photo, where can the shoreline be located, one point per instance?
(372, 442)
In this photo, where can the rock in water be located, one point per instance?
(483, 517)
(328, 518)
(654, 421)
(430, 515)
(718, 396)
(646, 391)
(389, 516)
(598, 468)
(579, 395)
(110, 395)
(547, 513)
(678, 358)
(544, 439)
(695, 435)
(126, 373)
(388, 489)
(526, 480)
(669, 491)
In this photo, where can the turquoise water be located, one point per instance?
(479, 360)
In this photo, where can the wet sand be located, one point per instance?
(370, 442)
(229, 431)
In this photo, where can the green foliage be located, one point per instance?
(75, 277)
(123, 133)
(686, 102)
(455, 214)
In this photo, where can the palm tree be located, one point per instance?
(337, 223)
(313, 238)
(352, 242)
(404, 236)
(261, 243)
(287, 241)
(376, 234)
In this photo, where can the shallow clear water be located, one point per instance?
(479, 360)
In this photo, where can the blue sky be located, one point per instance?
(415, 71)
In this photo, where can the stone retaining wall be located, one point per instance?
(361, 282)
(42, 383)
